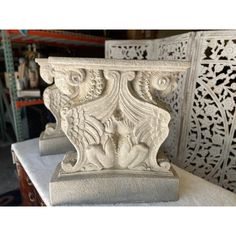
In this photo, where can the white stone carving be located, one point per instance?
(109, 120)
(116, 126)
(54, 100)
(52, 140)
(175, 48)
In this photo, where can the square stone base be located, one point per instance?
(112, 187)
(54, 145)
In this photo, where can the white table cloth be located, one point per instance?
(194, 191)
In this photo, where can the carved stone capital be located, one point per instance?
(45, 70)
(110, 116)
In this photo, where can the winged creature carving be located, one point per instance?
(71, 86)
(54, 100)
(116, 130)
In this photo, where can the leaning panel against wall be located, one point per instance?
(209, 132)
(129, 49)
(175, 48)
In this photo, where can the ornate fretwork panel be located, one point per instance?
(210, 142)
(174, 48)
(222, 49)
(129, 49)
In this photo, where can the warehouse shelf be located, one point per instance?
(54, 38)
(28, 102)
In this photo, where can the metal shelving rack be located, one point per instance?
(47, 37)
(5, 115)
(8, 56)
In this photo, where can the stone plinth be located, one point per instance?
(52, 145)
(112, 187)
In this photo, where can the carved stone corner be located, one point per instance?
(53, 140)
(112, 188)
(56, 144)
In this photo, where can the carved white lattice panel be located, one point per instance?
(209, 140)
(129, 49)
(174, 48)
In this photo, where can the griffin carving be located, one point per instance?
(110, 113)
(116, 130)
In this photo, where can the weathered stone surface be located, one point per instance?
(112, 187)
(54, 145)
(52, 140)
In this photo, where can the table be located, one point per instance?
(194, 191)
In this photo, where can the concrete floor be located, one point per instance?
(8, 174)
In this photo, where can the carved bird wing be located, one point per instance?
(154, 129)
(150, 121)
(103, 107)
(83, 128)
(85, 122)
(56, 102)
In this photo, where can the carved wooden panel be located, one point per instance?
(209, 137)
(129, 49)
